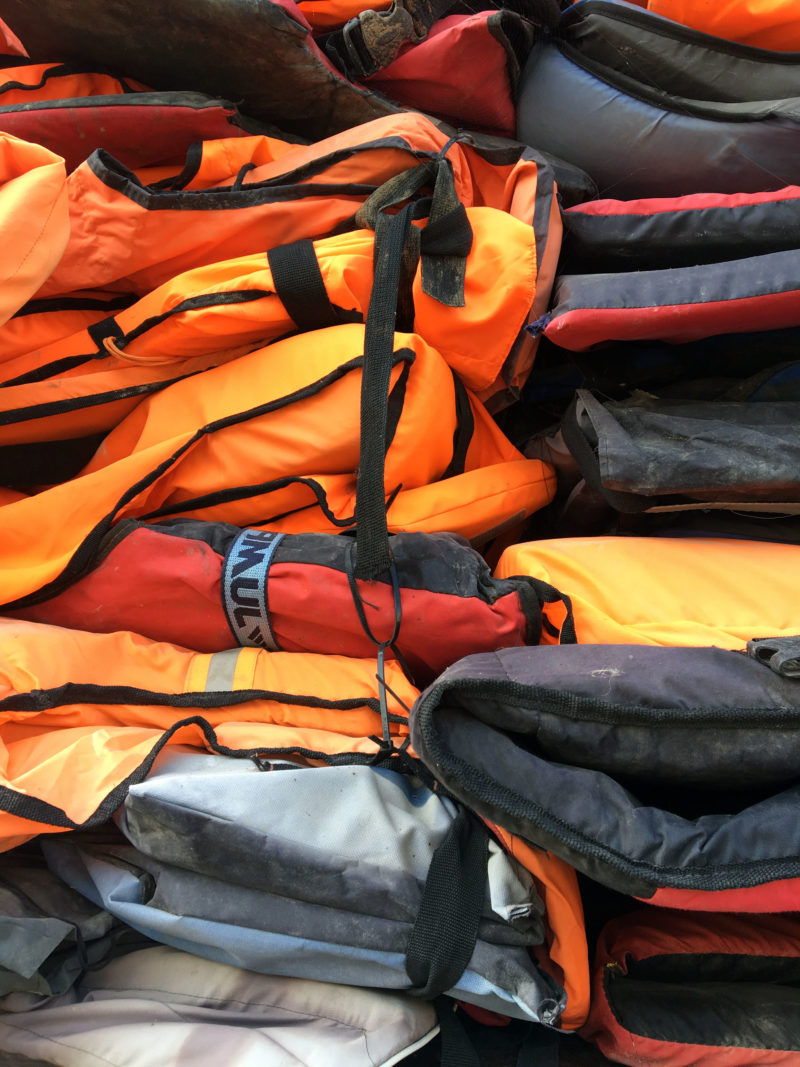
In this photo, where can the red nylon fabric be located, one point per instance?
(136, 133)
(459, 72)
(169, 588)
(778, 896)
(691, 202)
(583, 328)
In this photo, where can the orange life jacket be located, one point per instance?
(210, 315)
(665, 591)
(567, 955)
(34, 217)
(83, 716)
(772, 24)
(157, 232)
(307, 191)
(40, 323)
(273, 438)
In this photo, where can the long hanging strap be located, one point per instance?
(372, 533)
(397, 246)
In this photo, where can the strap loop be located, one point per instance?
(446, 928)
(298, 282)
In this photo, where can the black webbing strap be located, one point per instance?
(370, 41)
(397, 247)
(446, 241)
(372, 532)
(446, 928)
(298, 282)
(108, 327)
(381, 643)
(444, 244)
(395, 190)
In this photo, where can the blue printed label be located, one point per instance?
(244, 587)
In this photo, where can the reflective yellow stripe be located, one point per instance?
(223, 672)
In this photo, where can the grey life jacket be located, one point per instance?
(354, 874)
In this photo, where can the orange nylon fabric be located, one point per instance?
(75, 753)
(325, 15)
(567, 948)
(249, 430)
(236, 309)
(77, 404)
(32, 329)
(34, 217)
(771, 24)
(56, 81)
(150, 234)
(217, 164)
(666, 591)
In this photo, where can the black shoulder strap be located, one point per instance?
(548, 594)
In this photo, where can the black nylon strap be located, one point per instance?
(446, 928)
(395, 190)
(298, 282)
(465, 428)
(445, 241)
(397, 245)
(372, 532)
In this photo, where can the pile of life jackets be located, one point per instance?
(399, 533)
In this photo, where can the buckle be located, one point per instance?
(370, 41)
